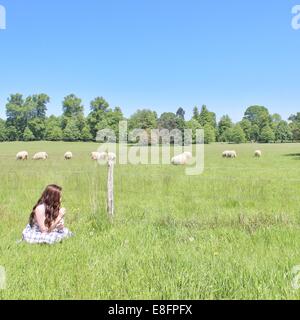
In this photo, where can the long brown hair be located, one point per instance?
(51, 198)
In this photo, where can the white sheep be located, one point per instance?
(23, 155)
(40, 156)
(99, 156)
(189, 155)
(68, 155)
(232, 154)
(258, 154)
(229, 154)
(225, 154)
(181, 159)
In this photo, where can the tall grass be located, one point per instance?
(231, 233)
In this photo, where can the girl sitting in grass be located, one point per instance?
(46, 223)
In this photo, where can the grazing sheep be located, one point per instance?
(225, 154)
(181, 159)
(229, 154)
(258, 154)
(23, 155)
(40, 156)
(189, 155)
(111, 157)
(232, 154)
(99, 156)
(68, 155)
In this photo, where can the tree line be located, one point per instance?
(27, 120)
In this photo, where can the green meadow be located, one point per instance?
(231, 233)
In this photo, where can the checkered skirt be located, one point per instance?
(33, 235)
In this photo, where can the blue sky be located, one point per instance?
(158, 54)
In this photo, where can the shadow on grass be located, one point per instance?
(296, 156)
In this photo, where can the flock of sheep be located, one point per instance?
(181, 159)
(232, 154)
(24, 155)
(185, 157)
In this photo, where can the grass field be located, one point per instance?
(230, 233)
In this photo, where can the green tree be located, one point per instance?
(247, 128)
(38, 104)
(21, 112)
(3, 133)
(72, 121)
(99, 104)
(295, 129)
(227, 135)
(11, 133)
(193, 125)
(295, 126)
(71, 131)
(97, 119)
(170, 121)
(108, 119)
(54, 134)
(207, 118)
(72, 106)
(113, 119)
(180, 113)
(276, 118)
(259, 116)
(38, 127)
(267, 135)
(237, 135)
(224, 124)
(209, 134)
(53, 129)
(86, 133)
(143, 119)
(295, 117)
(196, 113)
(17, 115)
(254, 133)
(28, 135)
(283, 132)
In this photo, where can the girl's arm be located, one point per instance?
(58, 220)
(40, 218)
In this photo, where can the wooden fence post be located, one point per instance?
(110, 189)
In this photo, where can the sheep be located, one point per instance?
(40, 156)
(68, 155)
(232, 154)
(189, 155)
(181, 159)
(99, 156)
(229, 154)
(23, 155)
(258, 154)
(225, 154)
(95, 155)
